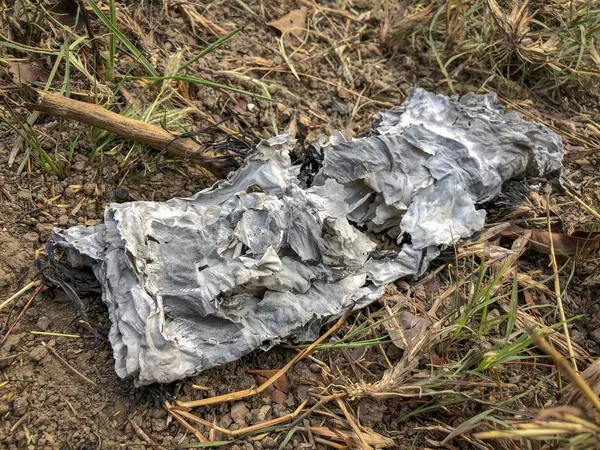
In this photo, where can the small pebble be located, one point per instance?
(239, 411)
(20, 406)
(279, 410)
(89, 189)
(226, 421)
(68, 192)
(261, 414)
(78, 166)
(596, 335)
(43, 323)
(24, 195)
(38, 353)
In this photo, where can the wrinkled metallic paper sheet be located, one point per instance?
(193, 283)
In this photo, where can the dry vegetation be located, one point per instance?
(484, 352)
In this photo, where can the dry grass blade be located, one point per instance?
(185, 425)
(550, 424)
(349, 438)
(558, 421)
(583, 204)
(241, 431)
(18, 294)
(393, 379)
(353, 423)
(568, 371)
(557, 290)
(591, 377)
(39, 289)
(256, 390)
(142, 434)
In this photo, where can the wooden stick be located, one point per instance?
(131, 129)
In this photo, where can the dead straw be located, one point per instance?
(22, 313)
(19, 293)
(257, 390)
(557, 291)
(568, 371)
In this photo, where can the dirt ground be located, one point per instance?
(46, 405)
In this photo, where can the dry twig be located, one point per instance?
(126, 127)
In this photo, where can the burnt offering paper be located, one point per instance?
(193, 283)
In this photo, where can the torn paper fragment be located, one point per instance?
(193, 283)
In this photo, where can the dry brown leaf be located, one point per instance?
(279, 390)
(27, 73)
(564, 244)
(292, 25)
(408, 326)
(343, 93)
(438, 361)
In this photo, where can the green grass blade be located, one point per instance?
(202, 81)
(27, 48)
(112, 41)
(126, 42)
(210, 48)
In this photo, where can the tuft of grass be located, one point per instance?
(462, 367)
(71, 66)
(543, 46)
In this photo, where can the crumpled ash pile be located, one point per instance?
(193, 283)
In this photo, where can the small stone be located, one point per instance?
(4, 407)
(32, 237)
(89, 189)
(43, 323)
(5, 278)
(239, 411)
(38, 353)
(226, 421)
(159, 413)
(68, 192)
(78, 166)
(515, 379)
(48, 145)
(90, 210)
(77, 179)
(315, 368)
(407, 61)
(279, 410)
(269, 442)
(371, 412)
(261, 414)
(121, 195)
(158, 425)
(20, 406)
(579, 337)
(63, 221)
(24, 195)
(596, 336)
